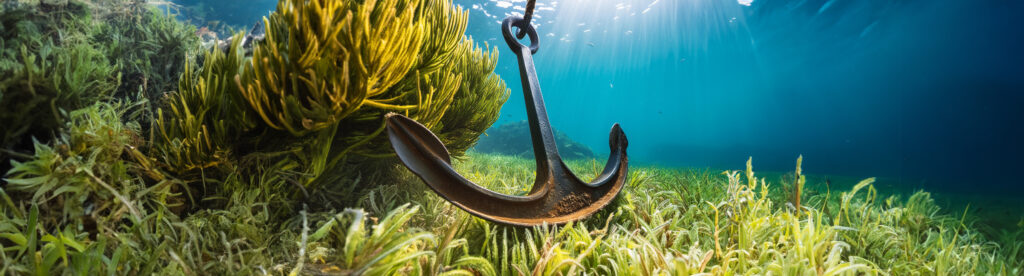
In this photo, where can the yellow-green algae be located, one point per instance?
(312, 97)
(215, 178)
(56, 58)
(666, 222)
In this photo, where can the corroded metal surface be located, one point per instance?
(557, 196)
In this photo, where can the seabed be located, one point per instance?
(129, 148)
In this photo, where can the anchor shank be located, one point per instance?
(543, 137)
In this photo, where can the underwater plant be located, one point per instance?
(148, 47)
(35, 96)
(314, 93)
(341, 76)
(204, 115)
(59, 57)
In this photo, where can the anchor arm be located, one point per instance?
(424, 154)
(618, 162)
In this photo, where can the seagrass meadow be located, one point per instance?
(130, 145)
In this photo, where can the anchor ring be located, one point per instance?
(524, 27)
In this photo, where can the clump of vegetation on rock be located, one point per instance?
(311, 100)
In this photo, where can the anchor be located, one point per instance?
(557, 196)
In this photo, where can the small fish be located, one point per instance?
(202, 31)
(682, 60)
(611, 85)
(591, 44)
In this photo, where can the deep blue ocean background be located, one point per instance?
(924, 93)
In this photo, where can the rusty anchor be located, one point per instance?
(557, 196)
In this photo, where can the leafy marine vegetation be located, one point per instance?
(59, 57)
(274, 163)
(675, 222)
(310, 101)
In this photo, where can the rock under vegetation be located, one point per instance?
(514, 139)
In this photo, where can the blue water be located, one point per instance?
(927, 93)
(237, 13)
